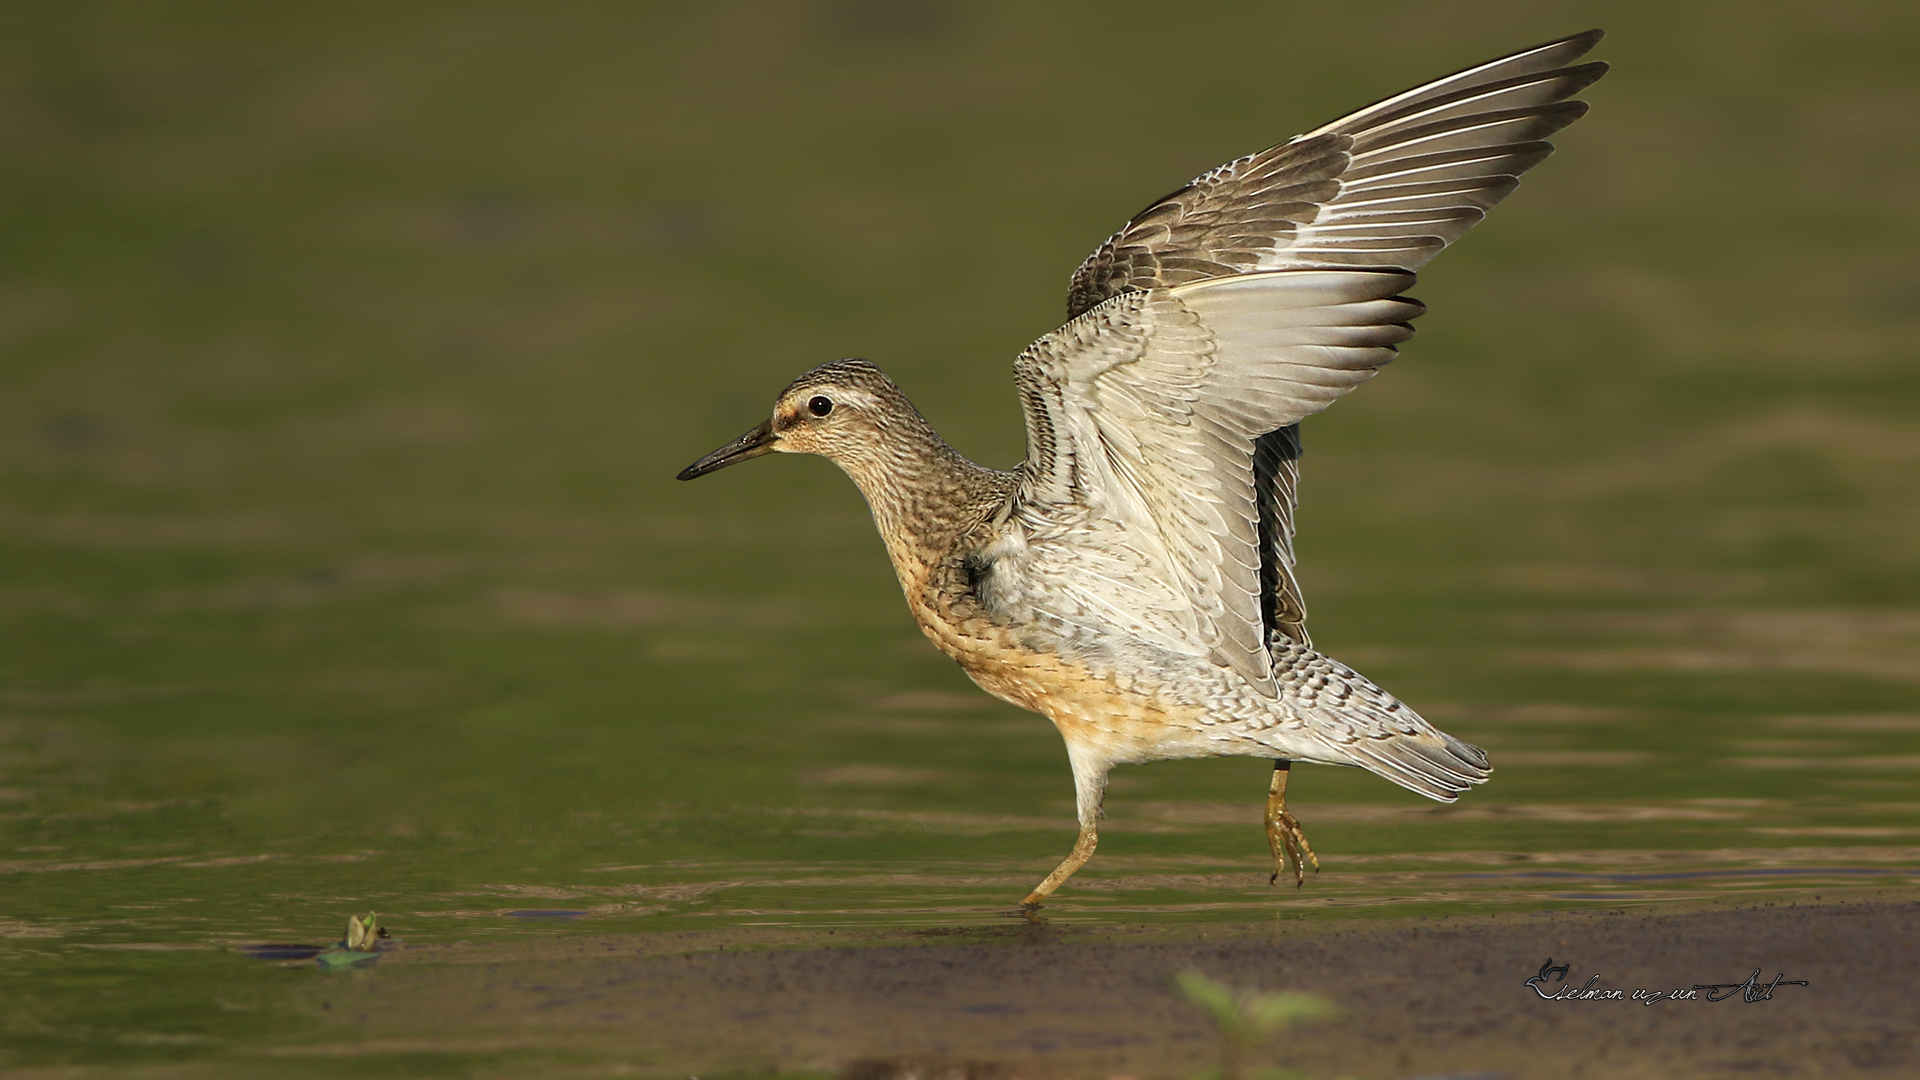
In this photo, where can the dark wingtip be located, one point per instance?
(1569, 48)
(1586, 39)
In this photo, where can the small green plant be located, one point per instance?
(363, 935)
(1248, 1019)
(359, 948)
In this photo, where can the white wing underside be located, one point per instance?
(1137, 512)
(1249, 299)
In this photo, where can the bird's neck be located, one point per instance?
(925, 496)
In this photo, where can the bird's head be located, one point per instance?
(842, 411)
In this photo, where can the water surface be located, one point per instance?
(347, 362)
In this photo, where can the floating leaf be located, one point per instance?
(335, 959)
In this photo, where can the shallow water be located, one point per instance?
(635, 835)
(346, 366)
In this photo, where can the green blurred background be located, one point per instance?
(347, 352)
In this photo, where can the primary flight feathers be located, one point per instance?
(1387, 186)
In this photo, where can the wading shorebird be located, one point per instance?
(1133, 579)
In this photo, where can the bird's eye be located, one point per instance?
(820, 406)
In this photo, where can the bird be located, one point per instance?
(1133, 578)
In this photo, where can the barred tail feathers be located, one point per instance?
(1433, 763)
(1357, 723)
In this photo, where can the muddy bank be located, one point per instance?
(1427, 997)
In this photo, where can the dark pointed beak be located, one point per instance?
(751, 445)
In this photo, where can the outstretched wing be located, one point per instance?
(1385, 187)
(1388, 186)
(1138, 511)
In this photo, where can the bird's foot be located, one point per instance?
(1288, 843)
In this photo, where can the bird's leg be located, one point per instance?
(1284, 836)
(1082, 851)
(1090, 790)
